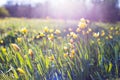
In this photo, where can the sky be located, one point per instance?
(2, 2)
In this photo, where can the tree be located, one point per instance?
(108, 10)
(4, 12)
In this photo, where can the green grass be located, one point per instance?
(29, 50)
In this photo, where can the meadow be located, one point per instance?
(47, 49)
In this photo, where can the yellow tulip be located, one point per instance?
(46, 29)
(24, 30)
(57, 31)
(19, 39)
(96, 35)
(21, 71)
(15, 47)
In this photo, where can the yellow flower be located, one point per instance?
(19, 39)
(21, 71)
(65, 48)
(65, 55)
(75, 36)
(15, 47)
(3, 49)
(46, 29)
(51, 37)
(110, 36)
(24, 30)
(71, 33)
(98, 39)
(51, 30)
(42, 34)
(106, 37)
(89, 29)
(38, 36)
(96, 35)
(82, 20)
(71, 56)
(51, 58)
(103, 33)
(92, 42)
(1, 41)
(111, 28)
(31, 53)
(117, 32)
(57, 31)
(78, 30)
(87, 32)
(82, 25)
(73, 51)
(116, 28)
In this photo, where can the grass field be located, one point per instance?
(34, 49)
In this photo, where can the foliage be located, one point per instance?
(3, 12)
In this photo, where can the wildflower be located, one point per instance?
(82, 20)
(73, 51)
(25, 56)
(42, 34)
(65, 55)
(103, 33)
(3, 49)
(24, 30)
(38, 36)
(87, 32)
(116, 28)
(15, 47)
(31, 53)
(82, 25)
(110, 36)
(19, 39)
(46, 29)
(51, 58)
(65, 48)
(92, 42)
(1, 41)
(71, 33)
(71, 56)
(51, 37)
(96, 35)
(75, 36)
(106, 37)
(111, 28)
(98, 39)
(21, 71)
(78, 30)
(99, 42)
(89, 29)
(68, 35)
(57, 31)
(117, 32)
(51, 30)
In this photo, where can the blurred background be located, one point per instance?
(96, 10)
